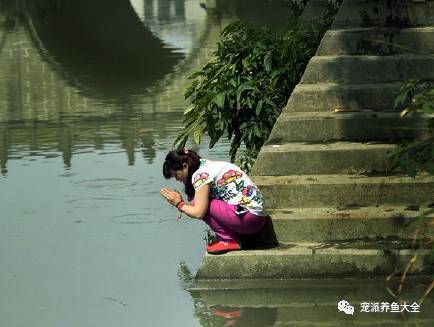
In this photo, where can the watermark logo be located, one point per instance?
(344, 306)
(372, 307)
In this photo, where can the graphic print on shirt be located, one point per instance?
(258, 198)
(230, 184)
(222, 193)
(225, 195)
(199, 179)
(239, 186)
(247, 195)
(229, 177)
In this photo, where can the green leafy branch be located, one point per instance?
(241, 92)
(416, 97)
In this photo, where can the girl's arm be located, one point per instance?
(201, 201)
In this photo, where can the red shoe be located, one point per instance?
(227, 314)
(222, 247)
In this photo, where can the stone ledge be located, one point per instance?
(316, 260)
(346, 97)
(368, 69)
(298, 158)
(377, 41)
(347, 126)
(351, 224)
(345, 190)
(362, 13)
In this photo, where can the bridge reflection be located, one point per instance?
(72, 71)
(99, 46)
(58, 87)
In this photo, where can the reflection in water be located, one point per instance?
(212, 314)
(245, 316)
(74, 138)
(300, 302)
(79, 75)
(171, 21)
(101, 47)
(90, 242)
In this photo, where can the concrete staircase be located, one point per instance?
(336, 208)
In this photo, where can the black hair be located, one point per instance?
(175, 160)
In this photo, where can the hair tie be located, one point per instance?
(185, 150)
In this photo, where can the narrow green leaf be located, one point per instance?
(268, 60)
(259, 108)
(197, 133)
(189, 109)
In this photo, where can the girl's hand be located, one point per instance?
(173, 197)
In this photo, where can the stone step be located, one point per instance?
(396, 13)
(312, 191)
(368, 69)
(300, 158)
(347, 126)
(313, 260)
(346, 97)
(351, 224)
(377, 41)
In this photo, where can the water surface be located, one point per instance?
(90, 102)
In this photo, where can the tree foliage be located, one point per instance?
(241, 92)
(416, 97)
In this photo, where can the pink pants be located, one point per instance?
(226, 224)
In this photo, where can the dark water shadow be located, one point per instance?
(101, 47)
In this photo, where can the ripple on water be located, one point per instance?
(104, 183)
(138, 218)
(96, 199)
(92, 203)
(67, 174)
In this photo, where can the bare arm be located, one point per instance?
(201, 201)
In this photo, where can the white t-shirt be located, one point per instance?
(230, 184)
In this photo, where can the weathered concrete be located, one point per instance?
(278, 292)
(294, 191)
(347, 126)
(375, 41)
(323, 170)
(322, 158)
(351, 224)
(395, 13)
(368, 69)
(344, 97)
(304, 260)
(313, 11)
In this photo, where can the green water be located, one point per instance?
(85, 123)
(90, 102)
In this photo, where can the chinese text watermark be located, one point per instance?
(344, 306)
